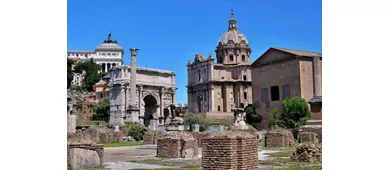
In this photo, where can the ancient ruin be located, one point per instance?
(308, 153)
(71, 113)
(239, 119)
(85, 155)
(177, 144)
(307, 137)
(151, 137)
(230, 150)
(279, 138)
(176, 122)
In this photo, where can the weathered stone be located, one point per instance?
(304, 137)
(177, 145)
(150, 137)
(308, 153)
(279, 138)
(230, 150)
(72, 123)
(82, 156)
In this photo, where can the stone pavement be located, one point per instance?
(131, 165)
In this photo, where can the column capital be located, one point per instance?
(134, 51)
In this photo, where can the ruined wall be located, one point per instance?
(82, 156)
(282, 138)
(97, 135)
(177, 145)
(150, 137)
(230, 150)
(199, 136)
(315, 129)
(304, 137)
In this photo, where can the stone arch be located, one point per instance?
(151, 106)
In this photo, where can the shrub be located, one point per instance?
(274, 119)
(192, 119)
(295, 113)
(136, 131)
(251, 115)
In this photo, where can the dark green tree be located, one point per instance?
(69, 73)
(92, 76)
(251, 115)
(102, 109)
(295, 113)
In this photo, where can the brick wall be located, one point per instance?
(96, 135)
(177, 145)
(230, 150)
(98, 148)
(199, 136)
(304, 137)
(150, 137)
(280, 138)
(315, 129)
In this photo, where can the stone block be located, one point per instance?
(71, 123)
(315, 129)
(177, 145)
(230, 150)
(305, 137)
(195, 127)
(83, 155)
(279, 138)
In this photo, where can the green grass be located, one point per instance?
(221, 122)
(169, 169)
(280, 154)
(193, 166)
(122, 143)
(262, 143)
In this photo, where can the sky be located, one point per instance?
(169, 33)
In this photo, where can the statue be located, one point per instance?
(109, 36)
(239, 119)
(176, 118)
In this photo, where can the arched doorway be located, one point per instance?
(199, 102)
(150, 108)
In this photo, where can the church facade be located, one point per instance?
(225, 84)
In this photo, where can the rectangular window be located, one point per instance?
(219, 108)
(231, 96)
(286, 91)
(245, 95)
(275, 93)
(264, 95)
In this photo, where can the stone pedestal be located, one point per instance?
(195, 128)
(116, 128)
(134, 114)
(71, 123)
(153, 124)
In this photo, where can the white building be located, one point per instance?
(108, 54)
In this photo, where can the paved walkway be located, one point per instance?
(131, 165)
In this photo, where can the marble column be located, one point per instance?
(142, 111)
(161, 102)
(105, 69)
(133, 82)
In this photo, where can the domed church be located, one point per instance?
(215, 85)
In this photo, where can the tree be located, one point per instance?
(92, 76)
(295, 113)
(274, 119)
(251, 115)
(69, 73)
(102, 109)
(192, 119)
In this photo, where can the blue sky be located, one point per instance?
(169, 33)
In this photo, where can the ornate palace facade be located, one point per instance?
(226, 84)
(108, 55)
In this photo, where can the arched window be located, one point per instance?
(243, 58)
(231, 57)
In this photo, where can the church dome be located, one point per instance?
(109, 45)
(232, 33)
